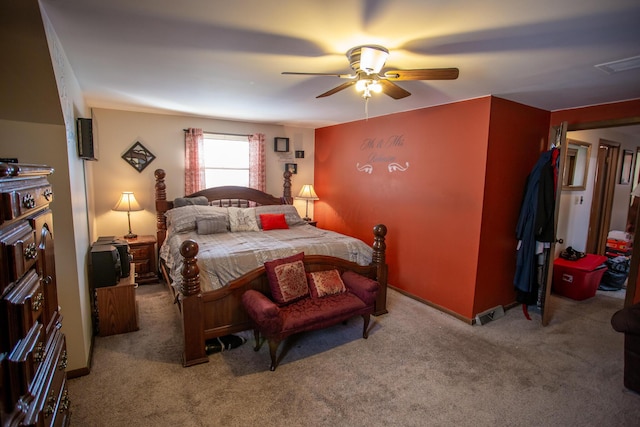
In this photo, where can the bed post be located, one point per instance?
(161, 207)
(379, 259)
(286, 188)
(192, 307)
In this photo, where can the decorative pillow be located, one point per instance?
(212, 224)
(328, 282)
(287, 279)
(243, 219)
(184, 218)
(273, 222)
(290, 212)
(187, 201)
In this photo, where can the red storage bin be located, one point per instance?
(579, 279)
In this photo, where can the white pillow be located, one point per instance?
(242, 219)
(290, 214)
(184, 218)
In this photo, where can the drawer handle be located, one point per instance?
(51, 402)
(47, 194)
(28, 201)
(38, 353)
(65, 402)
(63, 361)
(30, 252)
(37, 302)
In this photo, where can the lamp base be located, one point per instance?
(306, 218)
(130, 236)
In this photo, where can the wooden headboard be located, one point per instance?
(217, 196)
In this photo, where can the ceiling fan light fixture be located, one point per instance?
(372, 58)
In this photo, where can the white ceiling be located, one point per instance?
(223, 59)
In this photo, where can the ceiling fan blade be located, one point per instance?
(423, 74)
(342, 76)
(393, 90)
(337, 89)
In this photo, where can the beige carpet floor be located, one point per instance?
(419, 367)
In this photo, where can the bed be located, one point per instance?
(209, 263)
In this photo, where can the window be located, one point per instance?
(226, 160)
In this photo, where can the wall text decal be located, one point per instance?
(382, 150)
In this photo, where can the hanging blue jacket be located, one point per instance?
(535, 223)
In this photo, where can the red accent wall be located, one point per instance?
(517, 136)
(446, 183)
(596, 113)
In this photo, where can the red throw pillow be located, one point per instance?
(287, 279)
(273, 222)
(327, 282)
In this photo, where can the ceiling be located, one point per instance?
(223, 59)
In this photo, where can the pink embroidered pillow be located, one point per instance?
(322, 283)
(287, 279)
(273, 222)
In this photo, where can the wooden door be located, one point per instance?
(557, 138)
(602, 200)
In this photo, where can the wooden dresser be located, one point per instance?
(33, 355)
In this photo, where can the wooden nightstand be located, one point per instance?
(116, 309)
(143, 252)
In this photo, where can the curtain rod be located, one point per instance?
(222, 133)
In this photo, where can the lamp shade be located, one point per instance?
(307, 193)
(127, 203)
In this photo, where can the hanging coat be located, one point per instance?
(535, 224)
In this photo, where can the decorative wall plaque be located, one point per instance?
(138, 156)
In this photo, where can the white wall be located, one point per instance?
(116, 131)
(573, 220)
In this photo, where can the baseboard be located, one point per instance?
(75, 373)
(436, 306)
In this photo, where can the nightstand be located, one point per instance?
(116, 309)
(312, 222)
(143, 253)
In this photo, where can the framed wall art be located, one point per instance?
(291, 167)
(138, 156)
(281, 145)
(625, 170)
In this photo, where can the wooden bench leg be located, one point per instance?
(273, 347)
(256, 336)
(365, 329)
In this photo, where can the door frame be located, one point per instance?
(547, 309)
(602, 202)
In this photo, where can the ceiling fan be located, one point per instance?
(367, 61)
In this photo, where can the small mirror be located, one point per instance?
(576, 166)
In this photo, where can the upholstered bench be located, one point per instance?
(303, 301)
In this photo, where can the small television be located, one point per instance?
(105, 266)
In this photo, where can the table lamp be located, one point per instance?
(307, 193)
(128, 203)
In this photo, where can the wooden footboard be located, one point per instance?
(217, 313)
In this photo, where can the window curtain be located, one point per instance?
(257, 161)
(194, 165)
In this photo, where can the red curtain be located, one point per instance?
(193, 164)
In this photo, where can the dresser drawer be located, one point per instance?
(25, 359)
(21, 250)
(47, 397)
(23, 197)
(141, 252)
(24, 304)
